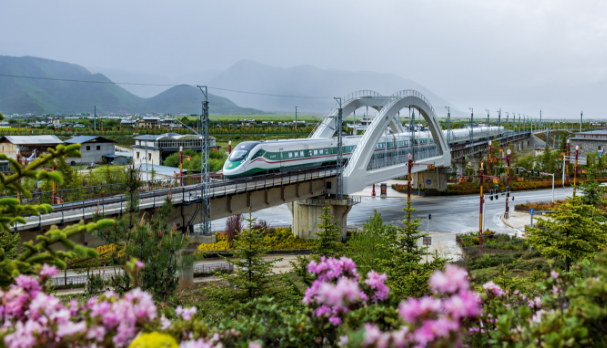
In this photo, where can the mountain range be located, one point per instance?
(38, 96)
(306, 82)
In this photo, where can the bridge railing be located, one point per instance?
(392, 157)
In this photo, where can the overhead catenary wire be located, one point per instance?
(162, 85)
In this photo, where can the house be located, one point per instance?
(5, 124)
(92, 148)
(247, 122)
(154, 149)
(26, 145)
(589, 142)
(148, 122)
(120, 158)
(128, 123)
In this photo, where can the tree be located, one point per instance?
(328, 235)
(572, 234)
(591, 191)
(407, 275)
(9, 241)
(370, 248)
(233, 228)
(251, 276)
(33, 256)
(151, 240)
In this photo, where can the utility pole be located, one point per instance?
(508, 152)
(487, 117)
(541, 118)
(577, 147)
(296, 118)
(448, 124)
(471, 133)
(581, 120)
(412, 128)
(499, 118)
(340, 154)
(205, 199)
(95, 119)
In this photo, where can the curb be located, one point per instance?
(507, 224)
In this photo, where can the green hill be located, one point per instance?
(21, 95)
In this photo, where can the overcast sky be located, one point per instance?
(487, 54)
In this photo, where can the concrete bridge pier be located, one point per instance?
(432, 179)
(306, 214)
(186, 276)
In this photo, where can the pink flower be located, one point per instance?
(343, 340)
(333, 269)
(453, 280)
(413, 309)
(493, 288)
(322, 310)
(346, 291)
(254, 345)
(374, 336)
(554, 274)
(377, 283)
(139, 264)
(29, 284)
(47, 271)
(185, 313)
(71, 328)
(465, 305)
(335, 321)
(164, 322)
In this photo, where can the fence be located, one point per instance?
(83, 279)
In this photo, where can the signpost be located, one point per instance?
(531, 212)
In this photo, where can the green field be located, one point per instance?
(265, 117)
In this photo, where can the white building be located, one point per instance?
(154, 149)
(92, 148)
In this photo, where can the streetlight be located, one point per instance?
(508, 152)
(577, 147)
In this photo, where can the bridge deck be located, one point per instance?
(116, 205)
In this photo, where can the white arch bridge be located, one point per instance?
(306, 191)
(366, 166)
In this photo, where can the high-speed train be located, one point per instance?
(262, 157)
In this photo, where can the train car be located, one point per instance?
(263, 157)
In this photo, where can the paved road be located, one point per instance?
(449, 214)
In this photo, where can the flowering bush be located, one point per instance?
(431, 321)
(341, 308)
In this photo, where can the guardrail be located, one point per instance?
(83, 279)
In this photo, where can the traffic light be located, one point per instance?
(517, 171)
(429, 216)
(538, 173)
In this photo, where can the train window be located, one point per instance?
(290, 154)
(315, 152)
(301, 154)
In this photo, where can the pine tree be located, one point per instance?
(150, 239)
(159, 246)
(328, 235)
(371, 249)
(408, 276)
(251, 276)
(9, 241)
(572, 234)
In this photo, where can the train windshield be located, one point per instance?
(242, 150)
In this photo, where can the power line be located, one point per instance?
(161, 85)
